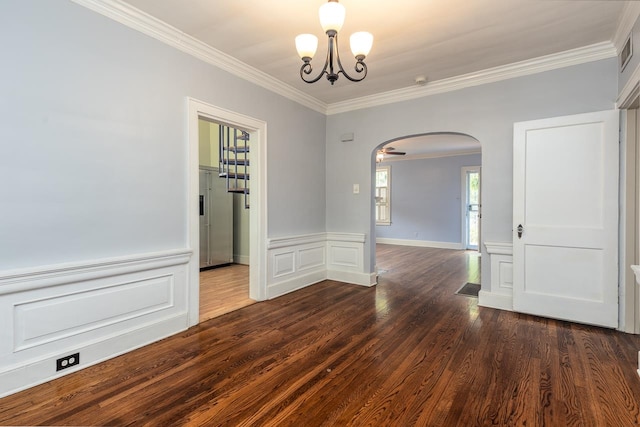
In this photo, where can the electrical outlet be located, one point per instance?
(67, 361)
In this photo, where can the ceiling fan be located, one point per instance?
(388, 151)
(391, 150)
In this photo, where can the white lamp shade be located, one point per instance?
(332, 16)
(361, 43)
(307, 44)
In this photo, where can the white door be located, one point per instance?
(565, 213)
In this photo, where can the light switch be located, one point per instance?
(356, 188)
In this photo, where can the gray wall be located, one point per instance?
(426, 199)
(485, 112)
(93, 158)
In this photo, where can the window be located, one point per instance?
(383, 193)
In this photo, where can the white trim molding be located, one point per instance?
(345, 259)
(420, 243)
(140, 21)
(629, 16)
(295, 262)
(500, 292)
(299, 261)
(99, 309)
(501, 248)
(630, 91)
(554, 61)
(53, 275)
(258, 198)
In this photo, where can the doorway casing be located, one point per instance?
(258, 212)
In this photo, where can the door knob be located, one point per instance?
(520, 230)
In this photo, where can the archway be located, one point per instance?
(425, 200)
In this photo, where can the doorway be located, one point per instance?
(471, 207)
(224, 219)
(258, 205)
(422, 198)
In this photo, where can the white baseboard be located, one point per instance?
(420, 243)
(299, 282)
(118, 304)
(492, 300)
(362, 279)
(38, 372)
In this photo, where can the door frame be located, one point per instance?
(463, 199)
(628, 227)
(257, 198)
(629, 294)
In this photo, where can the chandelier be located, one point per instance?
(331, 19)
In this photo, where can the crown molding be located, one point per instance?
(554, 61)
(140, 21)
(629, 16)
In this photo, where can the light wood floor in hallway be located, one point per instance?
(223, 290)
(407, 352)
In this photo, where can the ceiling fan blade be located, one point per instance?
(398, 153)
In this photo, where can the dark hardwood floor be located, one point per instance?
(408, 352)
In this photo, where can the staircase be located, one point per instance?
(234, 161)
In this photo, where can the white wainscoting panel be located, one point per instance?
(344, 256)
(312, 258)
(295, 262)
(283, 263)
(299, 261)
(500, 293)
(346, 259)
(68, 314)
(100, 309)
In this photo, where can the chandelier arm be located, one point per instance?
(359, 67)
(307, 69)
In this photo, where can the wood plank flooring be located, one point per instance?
(223, 290)
(407, 352)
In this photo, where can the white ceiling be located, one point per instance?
(436, 38)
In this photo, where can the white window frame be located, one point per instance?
(384, 205)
